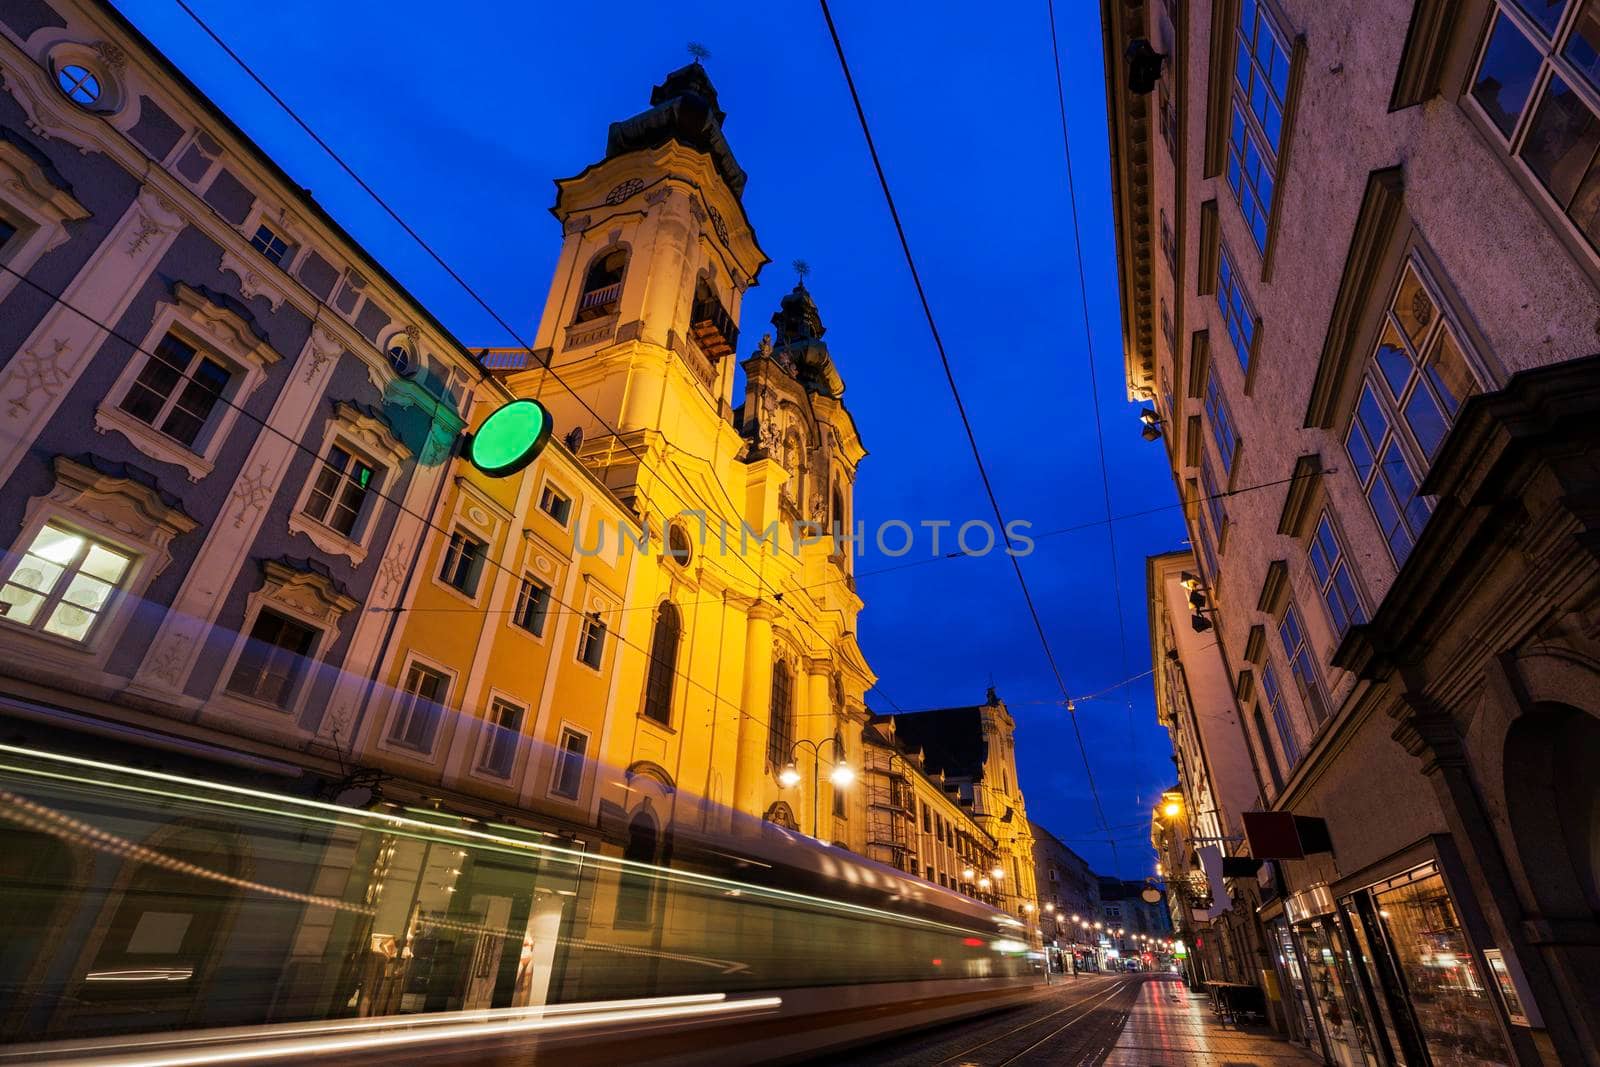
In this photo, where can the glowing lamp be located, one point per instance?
(510, 438)
(789, 777)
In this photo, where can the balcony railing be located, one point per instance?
(713, 327)
(600, 297)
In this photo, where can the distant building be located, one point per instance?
(972, 752)
(1069, 893)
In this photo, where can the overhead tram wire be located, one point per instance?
(400, 505)
(972, 440)
(455, 276)
(1094, 385)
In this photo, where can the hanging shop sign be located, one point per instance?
(510, 438)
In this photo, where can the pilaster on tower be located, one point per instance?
(642, 314)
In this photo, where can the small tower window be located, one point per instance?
(602, 286)
(78, 84)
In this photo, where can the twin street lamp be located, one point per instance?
(841, 776)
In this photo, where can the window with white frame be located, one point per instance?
(177, 390)
(1415, 383)
(566, 777)
(1537, 81)
(1334, 582)
(554, 503)
(344, 488)
(272, 245)
(1238, 314)
(1220, 420)
(1255, 136)
(273, 660)
(63, 583)
(533, 605)
(1279, 707)
(1302, 665)
(592, 641)
(420, 708)
(8, 230)
(463, 563)
(502, 729)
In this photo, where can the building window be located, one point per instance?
(1302, 667)
(533, 605)
(1215, 511)
(7, 231)
(1260, 85)
(566, 780)
(78, 84)
(1280, 716)
(1333, 577)
(636, 891)
(155, 398)
(1169, 246)
(927, 819)
(1538, 82)
(1238, 315)
(592, 641)
(271, 245)
(663, 665)
(1415, 384)
(502, 730)
(340, 494)
(1221, 420)
(463, 563)
(1164, 116)
(602, 286)
(420, 708)
(273, 659)
(63, 584)
(556, 504)
(780, 732)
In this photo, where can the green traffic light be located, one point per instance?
(510, 438)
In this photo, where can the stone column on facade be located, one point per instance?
(668, 255)
(817, 724)
(50, 360)
(755, 703)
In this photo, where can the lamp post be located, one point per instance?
(841, 776)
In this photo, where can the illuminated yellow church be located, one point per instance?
(634, 613)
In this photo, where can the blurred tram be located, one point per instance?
(153, 918)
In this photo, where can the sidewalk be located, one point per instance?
(1168, 1026)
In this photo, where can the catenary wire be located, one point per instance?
(1094, 386)
(966, 423)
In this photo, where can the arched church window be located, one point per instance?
(663, 663)
(838, 516)
(780, 734)
(637, 887)
(602, 285)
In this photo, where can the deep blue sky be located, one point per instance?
(462, 115)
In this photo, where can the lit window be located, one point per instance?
(463, 563)
(533, 606)
(592, 641)
(556, 504)
(420, 708)
(78, 84)
(63, 583)
(502, 728)
(1415, 386)
(1537, 81)
(567, 778)
(269, 244)
(1260, 84)
(273, 659)
(1280, 716)
(1238, 316)
(1333, 577)
(341, 491)
(155, 397)
(1221, 421)
(1302, 668)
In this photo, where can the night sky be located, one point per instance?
(461, 115)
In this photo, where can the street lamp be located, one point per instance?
(998, 872)
(841, 776)
(967, 873)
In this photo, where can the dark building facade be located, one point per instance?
(1358, 268)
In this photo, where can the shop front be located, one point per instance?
(1385, 976)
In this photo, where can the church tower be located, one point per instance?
(642, 314)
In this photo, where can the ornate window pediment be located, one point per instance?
(306, 588)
